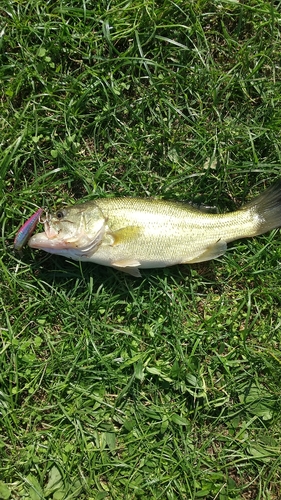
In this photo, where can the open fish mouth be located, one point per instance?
(43, 240)
(64, 232)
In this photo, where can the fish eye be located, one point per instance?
(60, 214)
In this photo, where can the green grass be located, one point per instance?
(168, 386)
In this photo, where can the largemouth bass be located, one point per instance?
(133, 233)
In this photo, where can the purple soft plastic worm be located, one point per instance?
(27, 229)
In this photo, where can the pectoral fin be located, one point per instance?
(129, 266)
(211, 252)
(124, 234)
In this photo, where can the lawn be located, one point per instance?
(165, 386)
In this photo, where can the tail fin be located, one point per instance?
(267, 206)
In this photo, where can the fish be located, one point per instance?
(130, 234)
(26, 230)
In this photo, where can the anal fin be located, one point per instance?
(209, 253)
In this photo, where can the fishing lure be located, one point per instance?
(26, 230)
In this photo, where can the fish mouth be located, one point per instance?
(51, 242)
(41, 241)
